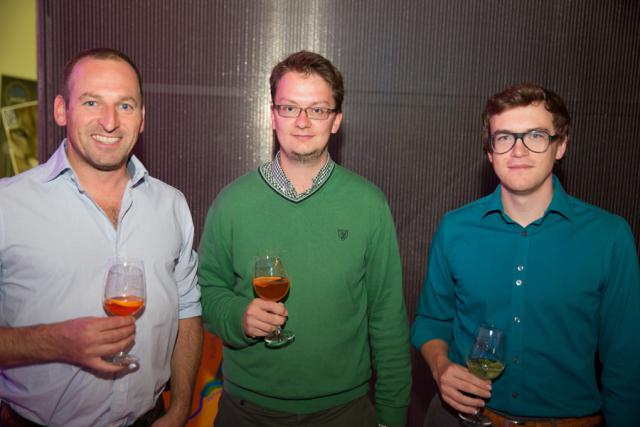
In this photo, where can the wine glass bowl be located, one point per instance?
(271, 283)
(124, 295)
(485, 360)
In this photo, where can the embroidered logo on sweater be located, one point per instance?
(343, 234)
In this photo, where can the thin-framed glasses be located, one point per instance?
(313, 113)
(536, 141)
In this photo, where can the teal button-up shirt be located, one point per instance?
(564, 288)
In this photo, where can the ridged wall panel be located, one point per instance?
(417, 75)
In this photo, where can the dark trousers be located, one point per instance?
(235, 412)
(10, 418)
(441, 415)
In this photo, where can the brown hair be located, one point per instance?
(309, 63)
(522, 95)
(96, 53)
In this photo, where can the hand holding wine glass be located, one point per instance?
(124, 295)
(271, 283)
(485, 360)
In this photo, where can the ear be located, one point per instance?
(142, 122)
(60, 111)
(273, 117)
(490, 156)
(336, 122)
(562, 148)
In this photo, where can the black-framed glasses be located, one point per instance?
(536, 141)
(313, 113)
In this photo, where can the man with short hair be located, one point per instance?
(334, 233)
(60, 224)
(558, 275)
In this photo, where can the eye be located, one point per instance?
(90, 103)
(537, 135)
(288, 108)
(502, 137)
(126, 107)
(317, 110)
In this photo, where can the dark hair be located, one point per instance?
(522, 95)
(309, 63)
(96, 53)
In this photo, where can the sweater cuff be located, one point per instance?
(391, 416)
(237, 337)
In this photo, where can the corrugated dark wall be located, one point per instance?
(417, 75)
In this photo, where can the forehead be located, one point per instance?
(299, 87)
(516, 119)
(95, 75)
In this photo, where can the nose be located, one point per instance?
(519, 149)
(302, 121)
(110, 120)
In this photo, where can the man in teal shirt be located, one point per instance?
(560, 276)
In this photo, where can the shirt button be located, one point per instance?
(516, 319)
(516, 360)
(518, 282)
(520, 267)
(524, 233)
(515, 394)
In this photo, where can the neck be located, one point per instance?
(301, 174)
(526, 207)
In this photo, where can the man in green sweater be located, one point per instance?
(334, 232)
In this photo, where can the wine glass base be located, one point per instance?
(279, 339)
(128, 361)
(475, 420)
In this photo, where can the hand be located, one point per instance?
(455, 380)
(262, 317)
(86, 340)
(171, 419)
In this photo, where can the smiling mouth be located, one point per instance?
(110, 140)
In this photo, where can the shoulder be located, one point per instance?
(357, 186)
(596, 219)
(163, 190)
(238, 188)
(24, 184)
(469, 212)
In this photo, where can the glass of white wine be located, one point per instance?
(485, 360)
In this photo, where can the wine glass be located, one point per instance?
(124, 295)
(485, 360)
(271, 283)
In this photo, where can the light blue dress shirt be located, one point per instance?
(564, 288)
(55, 244)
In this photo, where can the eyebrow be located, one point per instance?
(287, 101)
(526, 131)
(93, 95)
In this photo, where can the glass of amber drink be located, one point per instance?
(271, 283)
(124, 295)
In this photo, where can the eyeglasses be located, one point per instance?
(313, 113)
(536, 141)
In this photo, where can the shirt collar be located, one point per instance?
(58, 164)
(276, 178)
(559, 203)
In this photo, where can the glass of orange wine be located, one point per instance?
(271, 283)
(124, 295)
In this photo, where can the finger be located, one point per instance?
(101, 365)
(274, 307)
(260, 329)
(116, 322)
(107, 349)
(115, 335)
(462, 403)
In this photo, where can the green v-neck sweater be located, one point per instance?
(345, 303)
